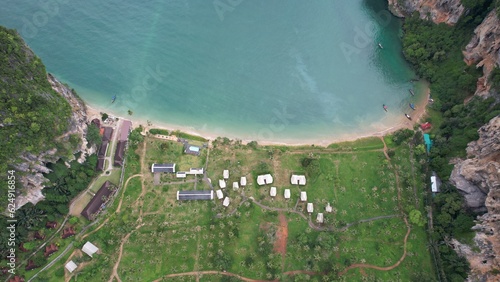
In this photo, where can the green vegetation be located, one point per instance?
(247, 237)
(436, 53)
(159, 131)
(32, 114)
(184, 135)
(93, 136)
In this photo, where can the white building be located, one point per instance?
(196, 171)
(287, 194)
(71, 266)
(226, 202)
(328, 208)
(180, 174)
(435, 184)
(243, 181)
(222, 184)
(319, 218)
(236, 186)
(273, 191)
(310, 207)
(303, 196)
(298, 179)
(264, 179)
(219, 194)
(225, 174)
(89, 249)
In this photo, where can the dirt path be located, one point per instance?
(281, 239)
(123, 191)
(140, 203)
(363, 265)
(114, 274)
(213, 272)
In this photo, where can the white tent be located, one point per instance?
(303, 196)
(310, 207)
(243, 181)
(272, 192)
(319, 218)
(219, 194)
(298, 179)
(225, 174)
(264, 179)
(287, 194)
(71, 266)
(89, 249)
(225, 202)
(328, 208)
(236, 186)
(222, 184)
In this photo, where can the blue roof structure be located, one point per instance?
(428, 142)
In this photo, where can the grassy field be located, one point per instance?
(148, 235)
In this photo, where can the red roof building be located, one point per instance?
(425, 126)
(16, 279)
(68, 232)
(52, 248)
(31, 265)
(39, 235)
(50, 224)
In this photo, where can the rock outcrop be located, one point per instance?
(439, 11)
(478, 178)
(33, 166)
(484, 51)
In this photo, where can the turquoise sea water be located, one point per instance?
(252, 69)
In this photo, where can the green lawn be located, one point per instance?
(165, 236)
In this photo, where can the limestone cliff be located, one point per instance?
(439, 11)
(478, 178)
(34, 165)
(484, 51)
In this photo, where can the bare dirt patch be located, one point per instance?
(281, 235)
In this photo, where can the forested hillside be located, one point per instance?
(32, 115)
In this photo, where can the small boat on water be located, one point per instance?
(385, 107)
(412, 106)
(380, 45)
(113, 99)
(411, 92)
(407, 116)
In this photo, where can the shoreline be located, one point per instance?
(417, 115)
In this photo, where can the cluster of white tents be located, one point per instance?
(222, 184)
(89, 248)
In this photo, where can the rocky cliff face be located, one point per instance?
(484, 51)
(439, 11)
(478, 178)
(34, 165)
(478, 175)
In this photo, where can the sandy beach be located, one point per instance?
(403, 122)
